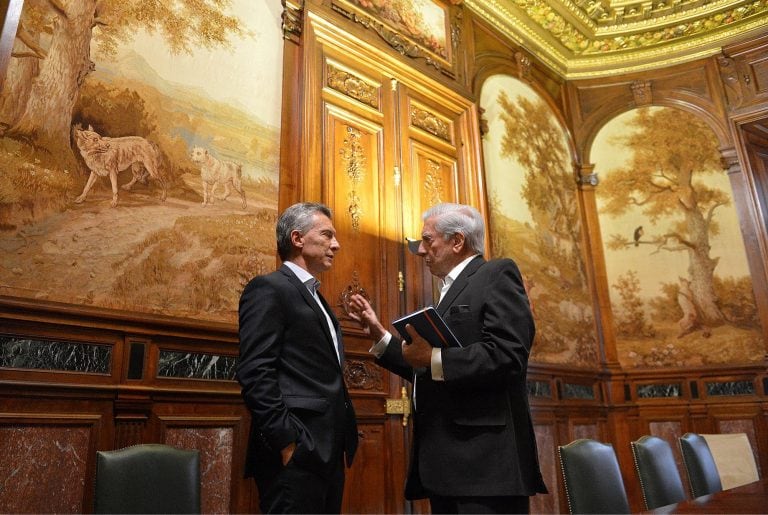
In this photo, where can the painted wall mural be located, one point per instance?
(139, 148)
(680, 288)
(534, 217)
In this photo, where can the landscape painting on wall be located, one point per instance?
(425, 22)
(681, 293)
(139, 154)
(534, 217)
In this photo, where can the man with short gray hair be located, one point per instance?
(474, 447)
(290, 370)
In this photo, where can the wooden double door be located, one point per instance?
(378, 143)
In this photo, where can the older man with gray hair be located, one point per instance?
(474, 448)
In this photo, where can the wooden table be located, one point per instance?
(749, 498)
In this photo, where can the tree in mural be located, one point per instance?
(52, 55)
(534, 139)
(632, 320)
(671, 151)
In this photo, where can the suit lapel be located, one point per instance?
(304, 292)
(459, 284)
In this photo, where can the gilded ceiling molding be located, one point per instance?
(566, 37)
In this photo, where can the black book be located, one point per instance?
(430, 325)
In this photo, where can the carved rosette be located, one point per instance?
(352, 86)
(362, 375)
(353, 288)
(353, 156)
(429, 122)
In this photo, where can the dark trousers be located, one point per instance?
(504, 504)
(297, 490)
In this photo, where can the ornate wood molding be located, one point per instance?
(292, 21)
(352, 86)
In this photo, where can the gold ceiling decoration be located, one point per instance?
(592, 38)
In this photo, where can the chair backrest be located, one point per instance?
(703, 478)
(147, 478)
(592, 478)
(734, 458)
(655, 466)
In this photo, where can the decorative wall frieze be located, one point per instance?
(431, 123)
(352, 86)
(397, 41)
(353, 155)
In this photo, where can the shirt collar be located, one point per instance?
(455, 271)
(302, 274)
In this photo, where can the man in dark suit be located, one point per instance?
(474, 449)
(290, 370)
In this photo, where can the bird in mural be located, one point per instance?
(638, 234)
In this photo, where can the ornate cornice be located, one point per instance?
(589, 38)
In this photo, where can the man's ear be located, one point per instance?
(297, 239)
(458, 242)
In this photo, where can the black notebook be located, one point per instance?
(430, 325)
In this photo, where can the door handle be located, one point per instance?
(401, 406)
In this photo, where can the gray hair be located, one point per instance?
(452, 219)
(298, 217)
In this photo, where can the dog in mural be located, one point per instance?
(107, 157)
(214, 172)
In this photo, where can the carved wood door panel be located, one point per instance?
(378, 147)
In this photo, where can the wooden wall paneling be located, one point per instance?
(495, 54)
(220, 434)
(48, 449)
(743, 71)
(290, 113)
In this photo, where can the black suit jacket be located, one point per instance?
(291, 378)
(473, 434)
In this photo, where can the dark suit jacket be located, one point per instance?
(473, 434)
(291, 378)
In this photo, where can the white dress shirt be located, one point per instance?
(436, 365)
(312, 284)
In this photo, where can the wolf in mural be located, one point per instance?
(106, 157)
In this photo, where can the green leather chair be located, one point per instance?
(659, 478)
(703, 477)
(592, 478)
(147, 478)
